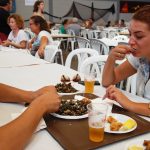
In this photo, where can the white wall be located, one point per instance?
(26, 11)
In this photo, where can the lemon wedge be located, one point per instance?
(129, 124)
(135, 147)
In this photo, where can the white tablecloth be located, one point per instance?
(17, 58)
(34, 77)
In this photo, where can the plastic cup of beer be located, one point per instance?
(89, 81)
(96, 120)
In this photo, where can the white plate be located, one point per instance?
(69, 117)
(135, 142)
(77, 86)
(121, 118)
(76, 97)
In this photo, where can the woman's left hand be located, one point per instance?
(41, 52)
(6, 43)
(115, 94)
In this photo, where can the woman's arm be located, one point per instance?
(139, 108)
(44, 41)
(21, 45)
(113, 74)
(16, 134)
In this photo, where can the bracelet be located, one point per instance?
(149, 106)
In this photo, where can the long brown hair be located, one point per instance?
(36, 4)
(38, 20)
(143, 15)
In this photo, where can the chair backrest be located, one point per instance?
(51, 50)
(71, 32)
(83, 43)
(99, 46)
(104, 34)
(84, 34)
(121, 39)
(29, 33)
(82, 54)
(112, 34)
(94, 64)
(54, 31)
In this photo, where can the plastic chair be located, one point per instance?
(51, 53)
(83, 43)
(29, 33)
(112, 34)
(94, 64)
(130, 85)
(71, 40)
(121, 39)
(99, 46)
(82, 54)
(84, 34)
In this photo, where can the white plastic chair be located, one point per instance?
(99, 46)
(84, 34)
(82, 54)
(112, 34)
(29, 33)
(71, 40)
(130, 85)
(51, 53)
(121, 39)
(94, 64)
(83, 43)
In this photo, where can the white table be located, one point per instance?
(18, 58)
(34, 77)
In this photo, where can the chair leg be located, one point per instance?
(61, 57)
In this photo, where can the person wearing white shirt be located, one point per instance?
(17, 37)
(43, 37)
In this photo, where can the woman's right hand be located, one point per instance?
(119, 52)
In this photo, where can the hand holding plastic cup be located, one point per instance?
(97, 113)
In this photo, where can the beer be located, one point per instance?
(96, 134)
(89, 86)
(96, 121)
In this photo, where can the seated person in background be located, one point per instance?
(74, 26)
(63, 27)
(38, 8)
(122, 23)
(17, 37)
(108, 24)
(5, 7)
(43, 37)
(138, 62)
(89, 24)
(18, 132)
(116, 23)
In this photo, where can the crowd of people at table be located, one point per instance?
(46, 99)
